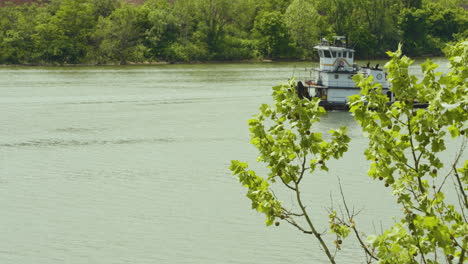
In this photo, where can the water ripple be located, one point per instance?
(74, 130)
(73, 142)
(164, 101)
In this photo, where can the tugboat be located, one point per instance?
(332, 82)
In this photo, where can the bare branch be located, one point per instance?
(292, 222)
(454, 164)
(342, 197)
(460, 185)
(353, 226)
(462, 196)
(289, 213)
(461, 200)
(309, 221)
(443, 182)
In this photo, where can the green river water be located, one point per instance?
(130, 164)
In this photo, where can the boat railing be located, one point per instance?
(313, 78)
(338, 41)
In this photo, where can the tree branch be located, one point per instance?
(462, 256)
(416, 164)
(289, 213)
(309, 222)
(303, 170)
(292, 222)
(353, 226)
(460, 185)
(453, 168)
(287, 185)
(420, 249)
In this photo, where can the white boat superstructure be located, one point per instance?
(332, 81)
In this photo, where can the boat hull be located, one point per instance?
(334, 106)
(338, 106)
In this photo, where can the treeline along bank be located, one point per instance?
(116, 31)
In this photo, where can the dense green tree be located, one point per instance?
(426, 30)
(244, 12)
(189, 45)
(339, 14)
(412, 3)
(64, 37)
(273, 37)
(237, 45)
(105, 7)
(370, 25)
(213, 17)
(444, 23)
(274, 5)
(119, 37)
(446, 3)
(16, 33)
(163, 27)
(67, 31)
(304, 25)
(381, 17)
(414, 26)
(233, 42)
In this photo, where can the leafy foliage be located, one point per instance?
(64, 36)
(303, 23)
(405, 148)
(283, 134)
(85, 31)
(117, 37)
(273, 37)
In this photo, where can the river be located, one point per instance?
(129, 164)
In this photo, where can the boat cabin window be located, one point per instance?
(350, 55)
(334, 54)
(345, 54)
(326, 53)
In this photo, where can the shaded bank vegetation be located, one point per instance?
(112, 31)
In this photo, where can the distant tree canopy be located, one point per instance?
(115, 31)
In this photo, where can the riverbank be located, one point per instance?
(200, 32)
(423, 57)
(155, 63)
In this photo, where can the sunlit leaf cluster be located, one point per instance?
(287, 143)
(407, 140)
(285, 139)
(405, 146)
